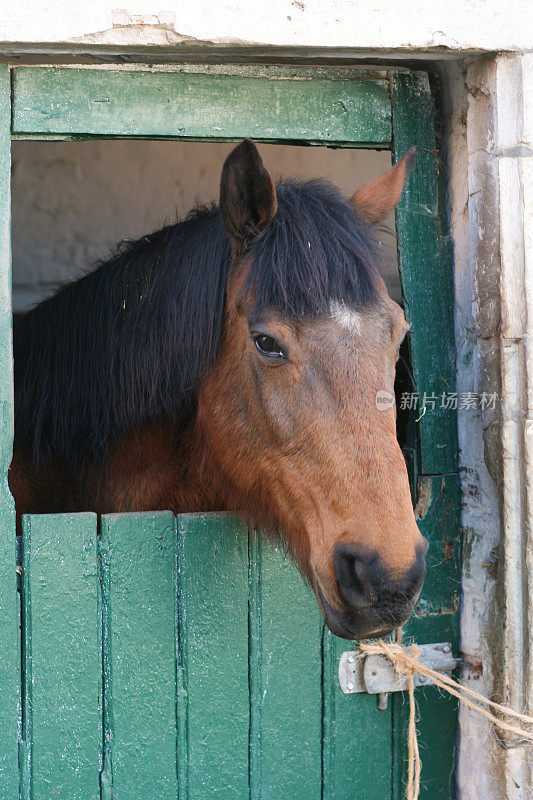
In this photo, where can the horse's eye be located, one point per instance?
(268, 346)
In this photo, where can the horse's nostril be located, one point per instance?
(355, 572)
(364, 581)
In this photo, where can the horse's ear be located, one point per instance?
(375, 199)
(247, 194)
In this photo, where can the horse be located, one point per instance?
(231, 362)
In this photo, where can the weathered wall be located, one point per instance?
(72, 201)
(480, 514)
(490, 137)
(410, 24)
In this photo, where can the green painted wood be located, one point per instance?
(426, 270)
(62, 673)
(436, 718)
(436, 620)
(213, 656)
(285, 676)
(438, 517)
(176, 104)
(10, 660)
(427, 282)
(357, 736)
(139, 602)
(255, 695)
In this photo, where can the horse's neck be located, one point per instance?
(158, 468)
(155, 468)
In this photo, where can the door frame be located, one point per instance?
(387, 110)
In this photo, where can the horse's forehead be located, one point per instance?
(384, 316)
(348, 318)
(357, 338)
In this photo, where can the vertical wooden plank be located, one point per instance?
(61, 656)
(426, 270)
(6, 359)
(9, 663)
(436, 718)
(139, 602)
(436, 619)
(427, 280)
(357, 736)
(213, 642)
(286, 673)
(255, 664)
(439, 519)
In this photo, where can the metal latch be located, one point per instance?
(375, 674)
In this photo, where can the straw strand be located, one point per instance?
(414, 763)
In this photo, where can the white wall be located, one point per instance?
(72, 201)
(405, 24)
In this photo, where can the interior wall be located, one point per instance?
(73, 201)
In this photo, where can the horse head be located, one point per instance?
(299, 408)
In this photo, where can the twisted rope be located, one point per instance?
(407, 662)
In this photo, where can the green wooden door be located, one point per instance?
(184, 658)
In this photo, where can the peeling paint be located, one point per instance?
(135, 34)
(124, 17)
(424, 497)
(470, 538)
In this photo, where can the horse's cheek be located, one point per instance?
(275, 417)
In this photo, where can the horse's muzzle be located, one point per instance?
(373, 603)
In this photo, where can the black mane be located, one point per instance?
(127, 344)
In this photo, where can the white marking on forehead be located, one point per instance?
(347, 317)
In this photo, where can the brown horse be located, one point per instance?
(232, 362)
